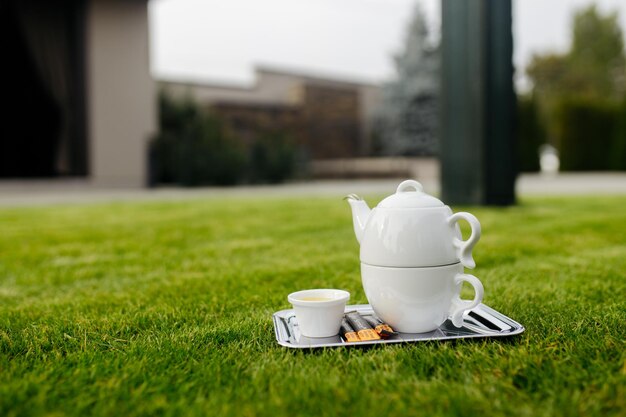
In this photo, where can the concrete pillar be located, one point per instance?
(121, 99)
(478, 103)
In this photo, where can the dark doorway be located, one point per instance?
(42, 129)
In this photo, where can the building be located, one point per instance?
(81, 101)
(328, 117)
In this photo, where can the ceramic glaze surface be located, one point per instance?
(319, 318)
(412, 229)
(418, 300)
(400, 238)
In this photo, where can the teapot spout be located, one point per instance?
(360, 214)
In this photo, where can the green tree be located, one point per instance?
(578, 92)
(594, 66)
(550, 76)
(407, 122)
(597, 54)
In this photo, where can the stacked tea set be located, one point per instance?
(412, 269)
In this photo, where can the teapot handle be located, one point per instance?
(460, 306)
(464, 247)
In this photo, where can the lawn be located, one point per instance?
(165, 308)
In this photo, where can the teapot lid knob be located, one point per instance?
(410, 194)
(404, 185)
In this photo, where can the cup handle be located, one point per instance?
(460, 306)
(464, 247)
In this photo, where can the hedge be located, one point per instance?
(192, 148)
(589, 135)
(531, 134)
(618, 151)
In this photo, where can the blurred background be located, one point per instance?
(157, 93)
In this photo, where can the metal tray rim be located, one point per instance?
(517, 329)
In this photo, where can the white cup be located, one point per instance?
(418, 300)
(319, 312)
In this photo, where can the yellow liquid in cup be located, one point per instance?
(316, 299)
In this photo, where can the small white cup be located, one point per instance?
(319, 312)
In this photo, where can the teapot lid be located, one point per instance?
(406, 198)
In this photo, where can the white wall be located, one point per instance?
(120, 92)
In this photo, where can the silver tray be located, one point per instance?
(481, 321)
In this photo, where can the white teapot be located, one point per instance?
(412, 229)
(412, 259)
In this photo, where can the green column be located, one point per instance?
(478, 103)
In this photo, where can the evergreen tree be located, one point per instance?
(407, 122)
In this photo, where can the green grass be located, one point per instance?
(165, 308)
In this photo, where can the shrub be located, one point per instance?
(192, 147)
(531, 134)
(272, 158)
(207, 156)
(618, 151)
(163, 159)
(586, 132)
